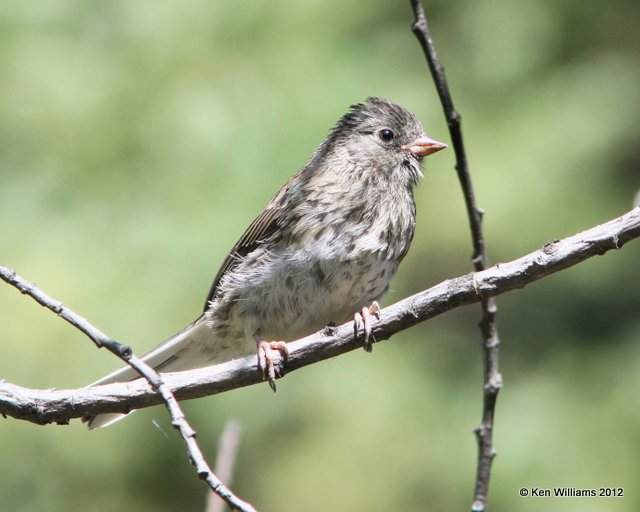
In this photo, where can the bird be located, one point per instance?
(323, 251)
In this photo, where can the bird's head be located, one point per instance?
(380, 136)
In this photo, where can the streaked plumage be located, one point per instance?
(327, 245)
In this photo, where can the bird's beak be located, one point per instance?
(424, 146)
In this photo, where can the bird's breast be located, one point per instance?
(337, 259)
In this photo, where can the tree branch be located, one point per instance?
(59, 406)
(225, 461)
(480, 260)
(158, 387)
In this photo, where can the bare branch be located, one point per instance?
(225, 461)
(158, 387)
(480, 260)
(59, 406)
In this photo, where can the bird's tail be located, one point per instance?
(183, 351)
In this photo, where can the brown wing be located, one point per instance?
(260, 229)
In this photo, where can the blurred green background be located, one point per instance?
(138, 139)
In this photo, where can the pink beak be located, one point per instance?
(424, 146)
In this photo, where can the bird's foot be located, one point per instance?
(267, 358)
(362, 320)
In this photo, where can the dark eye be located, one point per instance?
(385, 135)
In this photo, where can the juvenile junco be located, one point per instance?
(323, 249)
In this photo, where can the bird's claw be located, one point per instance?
(362, 320)
(267, 361)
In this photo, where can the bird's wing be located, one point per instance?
(260, 229)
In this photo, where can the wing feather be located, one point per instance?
(263, 227)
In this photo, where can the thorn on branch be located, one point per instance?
(115, 347)
(329, 329)
(476, 260)
(482, 430)
(550, 247)
(418, 26)
(494, 385)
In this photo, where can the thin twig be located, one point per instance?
(51, 406)
(125, 353)
(492, 376)
(225, 461)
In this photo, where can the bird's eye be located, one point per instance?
(385, 135)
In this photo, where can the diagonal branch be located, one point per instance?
(158, 387)
(51, 406)
(491, 341)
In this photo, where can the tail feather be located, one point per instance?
(183, 351)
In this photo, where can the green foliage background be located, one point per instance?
(139, 138)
